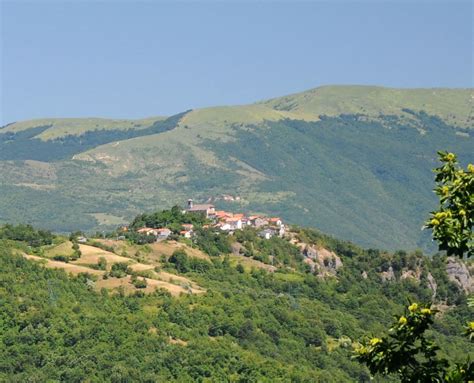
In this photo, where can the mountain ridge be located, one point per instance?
(463, 109)
(362, 175)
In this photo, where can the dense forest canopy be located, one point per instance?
(250, 325)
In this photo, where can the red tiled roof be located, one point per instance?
(222, 214)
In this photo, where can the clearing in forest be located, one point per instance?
(64, 248)
(152, 252)
(68, 267)
(152, 285)
(249, 263)
(90, 255)
(168, 247)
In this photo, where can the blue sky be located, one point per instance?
(131, 60)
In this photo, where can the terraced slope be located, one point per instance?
(90, 256)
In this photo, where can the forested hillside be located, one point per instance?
(353, 161)
(250, 324)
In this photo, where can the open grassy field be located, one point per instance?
(451, 105)
(168, 247)
(249, 263)
(67, 267)
(152, 285)
(90, 256)
(59, 127)
(152, 253)
(64, 248)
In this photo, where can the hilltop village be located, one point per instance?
(219, 219)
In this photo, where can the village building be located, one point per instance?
(148, 231)
(282, 230)
(229, 222)
(160, 234)
(234, 223)
(186, 233)
(275, 221)
(223, 226)
(267, 233)
(258, 221)
(221, 214)
(163, 234)
(208, 210)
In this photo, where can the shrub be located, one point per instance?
(140, 283)
(180, 260)
(102, 263)
(61, 258)
(119, 270)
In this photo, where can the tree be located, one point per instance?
(452, 222)
(34, 238)
(139, 283)
(102, 263)
(180, 260)
(119, 270)
(406, 351)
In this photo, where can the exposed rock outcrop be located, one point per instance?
(416, 275)
(237, 248)
(388, 275)
(413, 274)
(432, 285)
(322, 260)
(459, 273)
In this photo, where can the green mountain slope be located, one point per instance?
(454, 106)
(60, 127)
(353, 161)
(250, 325)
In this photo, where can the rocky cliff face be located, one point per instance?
(432, 285)
(325, 262)
(388, 275)
(459, 273)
